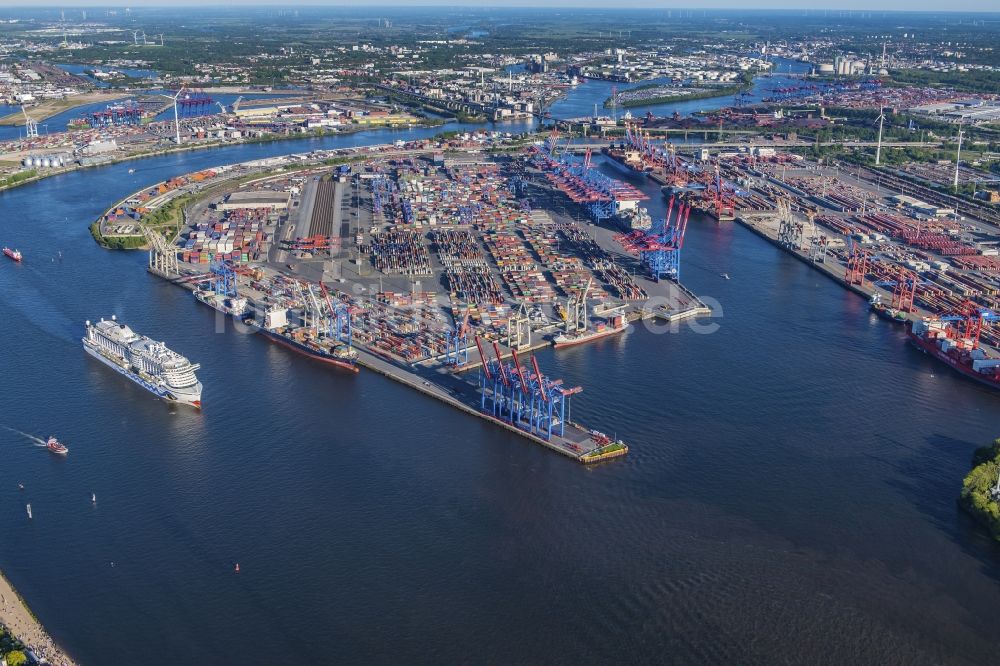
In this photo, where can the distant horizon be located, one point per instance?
(892, 6)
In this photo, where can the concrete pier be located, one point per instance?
(461, 391)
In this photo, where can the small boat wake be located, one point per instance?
(37, 441)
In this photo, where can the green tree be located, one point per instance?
(977, 489)
(16, 658)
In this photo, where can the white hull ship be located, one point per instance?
(577, 338)
(148, 363)
(235, 305)
(614, 326)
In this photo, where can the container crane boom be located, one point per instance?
(503, 371)
(482, 357)
(520, 372)
(538, 374)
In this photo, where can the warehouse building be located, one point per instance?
(259, 199)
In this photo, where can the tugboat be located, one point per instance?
(888, 313)
(13, 254)
(56, 447)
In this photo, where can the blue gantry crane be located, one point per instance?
(529, 400)
(339, 319)
(660, 247)
(223, 279)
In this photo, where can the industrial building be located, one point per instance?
(255, 200)
(917, 207)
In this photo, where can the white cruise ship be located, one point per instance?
(147, 362)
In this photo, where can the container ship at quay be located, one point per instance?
(614, 326)
(635, 219)
(627, 161)
(937, 338)
(274, 327)
(148, 363)
(235, 306)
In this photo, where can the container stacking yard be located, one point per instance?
(443, 275)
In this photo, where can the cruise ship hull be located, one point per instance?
(192, 398)
(928, 347)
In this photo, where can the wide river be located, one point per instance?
(789, 496)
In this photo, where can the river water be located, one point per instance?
(60, 121)
(789, 495)
(581, 100)
(578, 101)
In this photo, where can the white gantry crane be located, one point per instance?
(576, 310)
(519, 328)
(312, 312)
(790, 231)
(31, 127)
(162, 253)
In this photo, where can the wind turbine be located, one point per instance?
(878, 149)
(177, 122)
(958, 155)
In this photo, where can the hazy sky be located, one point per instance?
(868, 5)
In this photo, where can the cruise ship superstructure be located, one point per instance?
(145, 361)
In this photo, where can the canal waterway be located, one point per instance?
(81, 70)
(581, 100)
(789, 495)
(578, 102)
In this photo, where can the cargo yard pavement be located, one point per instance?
(52, 107)
(400, 330)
